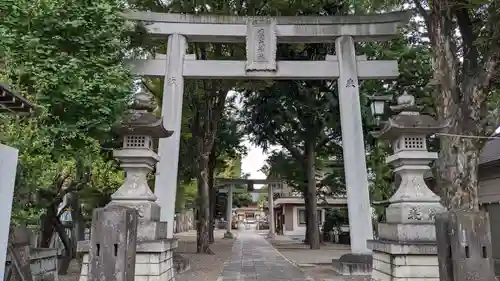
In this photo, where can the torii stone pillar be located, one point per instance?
(8, 167)
(270, 200)
(166, 170)
(229, 212)
(358, 196)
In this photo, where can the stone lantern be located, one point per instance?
(406, 246)
(154, 251)
(138, 158)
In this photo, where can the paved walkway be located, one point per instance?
(254, 259)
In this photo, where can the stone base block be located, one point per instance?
(151, 230)
(414, 263)
(353, 264)
(148, 211)
(153, 260)
(407, 232)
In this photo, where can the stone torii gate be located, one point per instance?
(262, 34)
(272, 186)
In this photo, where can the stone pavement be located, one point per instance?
(204, 267)
(254, 259)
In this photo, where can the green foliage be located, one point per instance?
(243, 199)
(67, 58)
(186, 195)
(381, 181)
(334, 219)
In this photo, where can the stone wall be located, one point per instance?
(153, 260)
(184, 221)
(43, 264)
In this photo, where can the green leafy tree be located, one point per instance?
(302, 117)
(67, 58)
(465, 77)
(463, 38)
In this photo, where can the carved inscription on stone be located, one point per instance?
(172, 81)
(432, 214)
(350, 83)
(260, 49)
(414, 214)
(261, 45)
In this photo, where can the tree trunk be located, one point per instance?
(203, 239)
(47, 229)
(78, 229)
(311, 206)
(457, 173)
(212, 194)
(306, 211)
(461, 102)
(204, 127)
(65, 259)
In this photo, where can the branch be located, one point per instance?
(469, 48)
(295, 152)
(490, 67)
(492, 121)
(424, 13)
(148, 88)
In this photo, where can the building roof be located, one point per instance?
(489, 154)
(491, 151)
(12, 102)
(299, 200)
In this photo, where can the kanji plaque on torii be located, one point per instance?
(261, 45)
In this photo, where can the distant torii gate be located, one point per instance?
(272, 186)
(262, 34)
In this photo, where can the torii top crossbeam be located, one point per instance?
(304, 29)
(262, 36)
(220, 182)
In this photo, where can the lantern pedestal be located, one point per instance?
(154, 251)
(406, 245)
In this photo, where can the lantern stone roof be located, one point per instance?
(408, 120)
(13, 102)
(141, 121)
(409, 124)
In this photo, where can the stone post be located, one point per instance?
(464, 246)
(137, 158)
(173, 89)
(229, 212)
(406, 247)
(112, 250)
(270, 200)
(358, 197)
(8, 167)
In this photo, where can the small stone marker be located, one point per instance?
(464, 246)
(113, 244)
(19, 252)
(444, 247)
